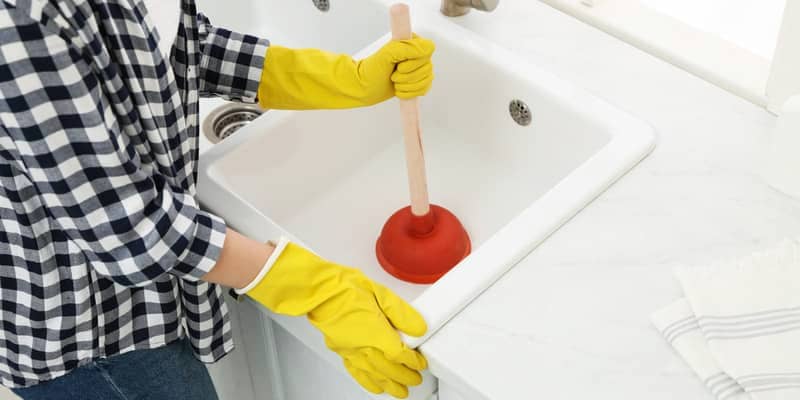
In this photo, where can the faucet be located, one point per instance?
(455, 8)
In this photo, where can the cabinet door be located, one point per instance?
(450, 392)
(231, 375)
(270, 363)
(306, 376)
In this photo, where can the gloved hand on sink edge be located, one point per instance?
(359, 318)
(302, 79)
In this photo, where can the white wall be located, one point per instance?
(751, 24)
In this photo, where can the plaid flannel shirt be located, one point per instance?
(102, 243)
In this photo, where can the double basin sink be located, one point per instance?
(511, 149)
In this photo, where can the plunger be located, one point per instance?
(421, 242)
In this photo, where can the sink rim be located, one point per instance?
(631, 140)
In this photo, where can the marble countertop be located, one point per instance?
(571, 321)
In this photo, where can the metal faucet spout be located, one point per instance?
(455, 8)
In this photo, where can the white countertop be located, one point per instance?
(571, 321)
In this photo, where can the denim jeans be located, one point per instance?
(170, 372)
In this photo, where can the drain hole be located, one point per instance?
(520, 112)
(227, 119)
(322, 5)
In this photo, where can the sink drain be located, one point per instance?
(322, 5)
(223, 121)
(520, 112)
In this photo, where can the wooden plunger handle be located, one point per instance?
(409, 112)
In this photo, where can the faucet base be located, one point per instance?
(451, 9)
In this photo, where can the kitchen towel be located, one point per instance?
(679, 326)
(739, 324)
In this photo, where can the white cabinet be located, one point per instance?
(232, 375)
(305, 376)
(271, 364)
(451, 392)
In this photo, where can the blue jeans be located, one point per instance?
(170, 372)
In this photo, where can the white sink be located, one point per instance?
(330, 179)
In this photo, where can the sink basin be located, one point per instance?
(330, 179)
(346, 27)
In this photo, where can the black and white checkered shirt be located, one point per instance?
(101, 241)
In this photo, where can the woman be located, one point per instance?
(109, 271)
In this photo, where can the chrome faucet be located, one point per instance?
(455, 8)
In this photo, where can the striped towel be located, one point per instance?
(738, 327)
(679, 326)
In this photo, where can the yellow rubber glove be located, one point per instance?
(358, 317)
(302, 79)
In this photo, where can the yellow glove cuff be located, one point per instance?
(279, 247)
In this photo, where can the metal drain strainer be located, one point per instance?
(223, 121)
(520, 112)
(322, 5)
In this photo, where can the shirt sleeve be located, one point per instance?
(77, 173)
(230, 62)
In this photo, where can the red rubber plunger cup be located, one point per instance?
(420, 249)
(419, 243)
